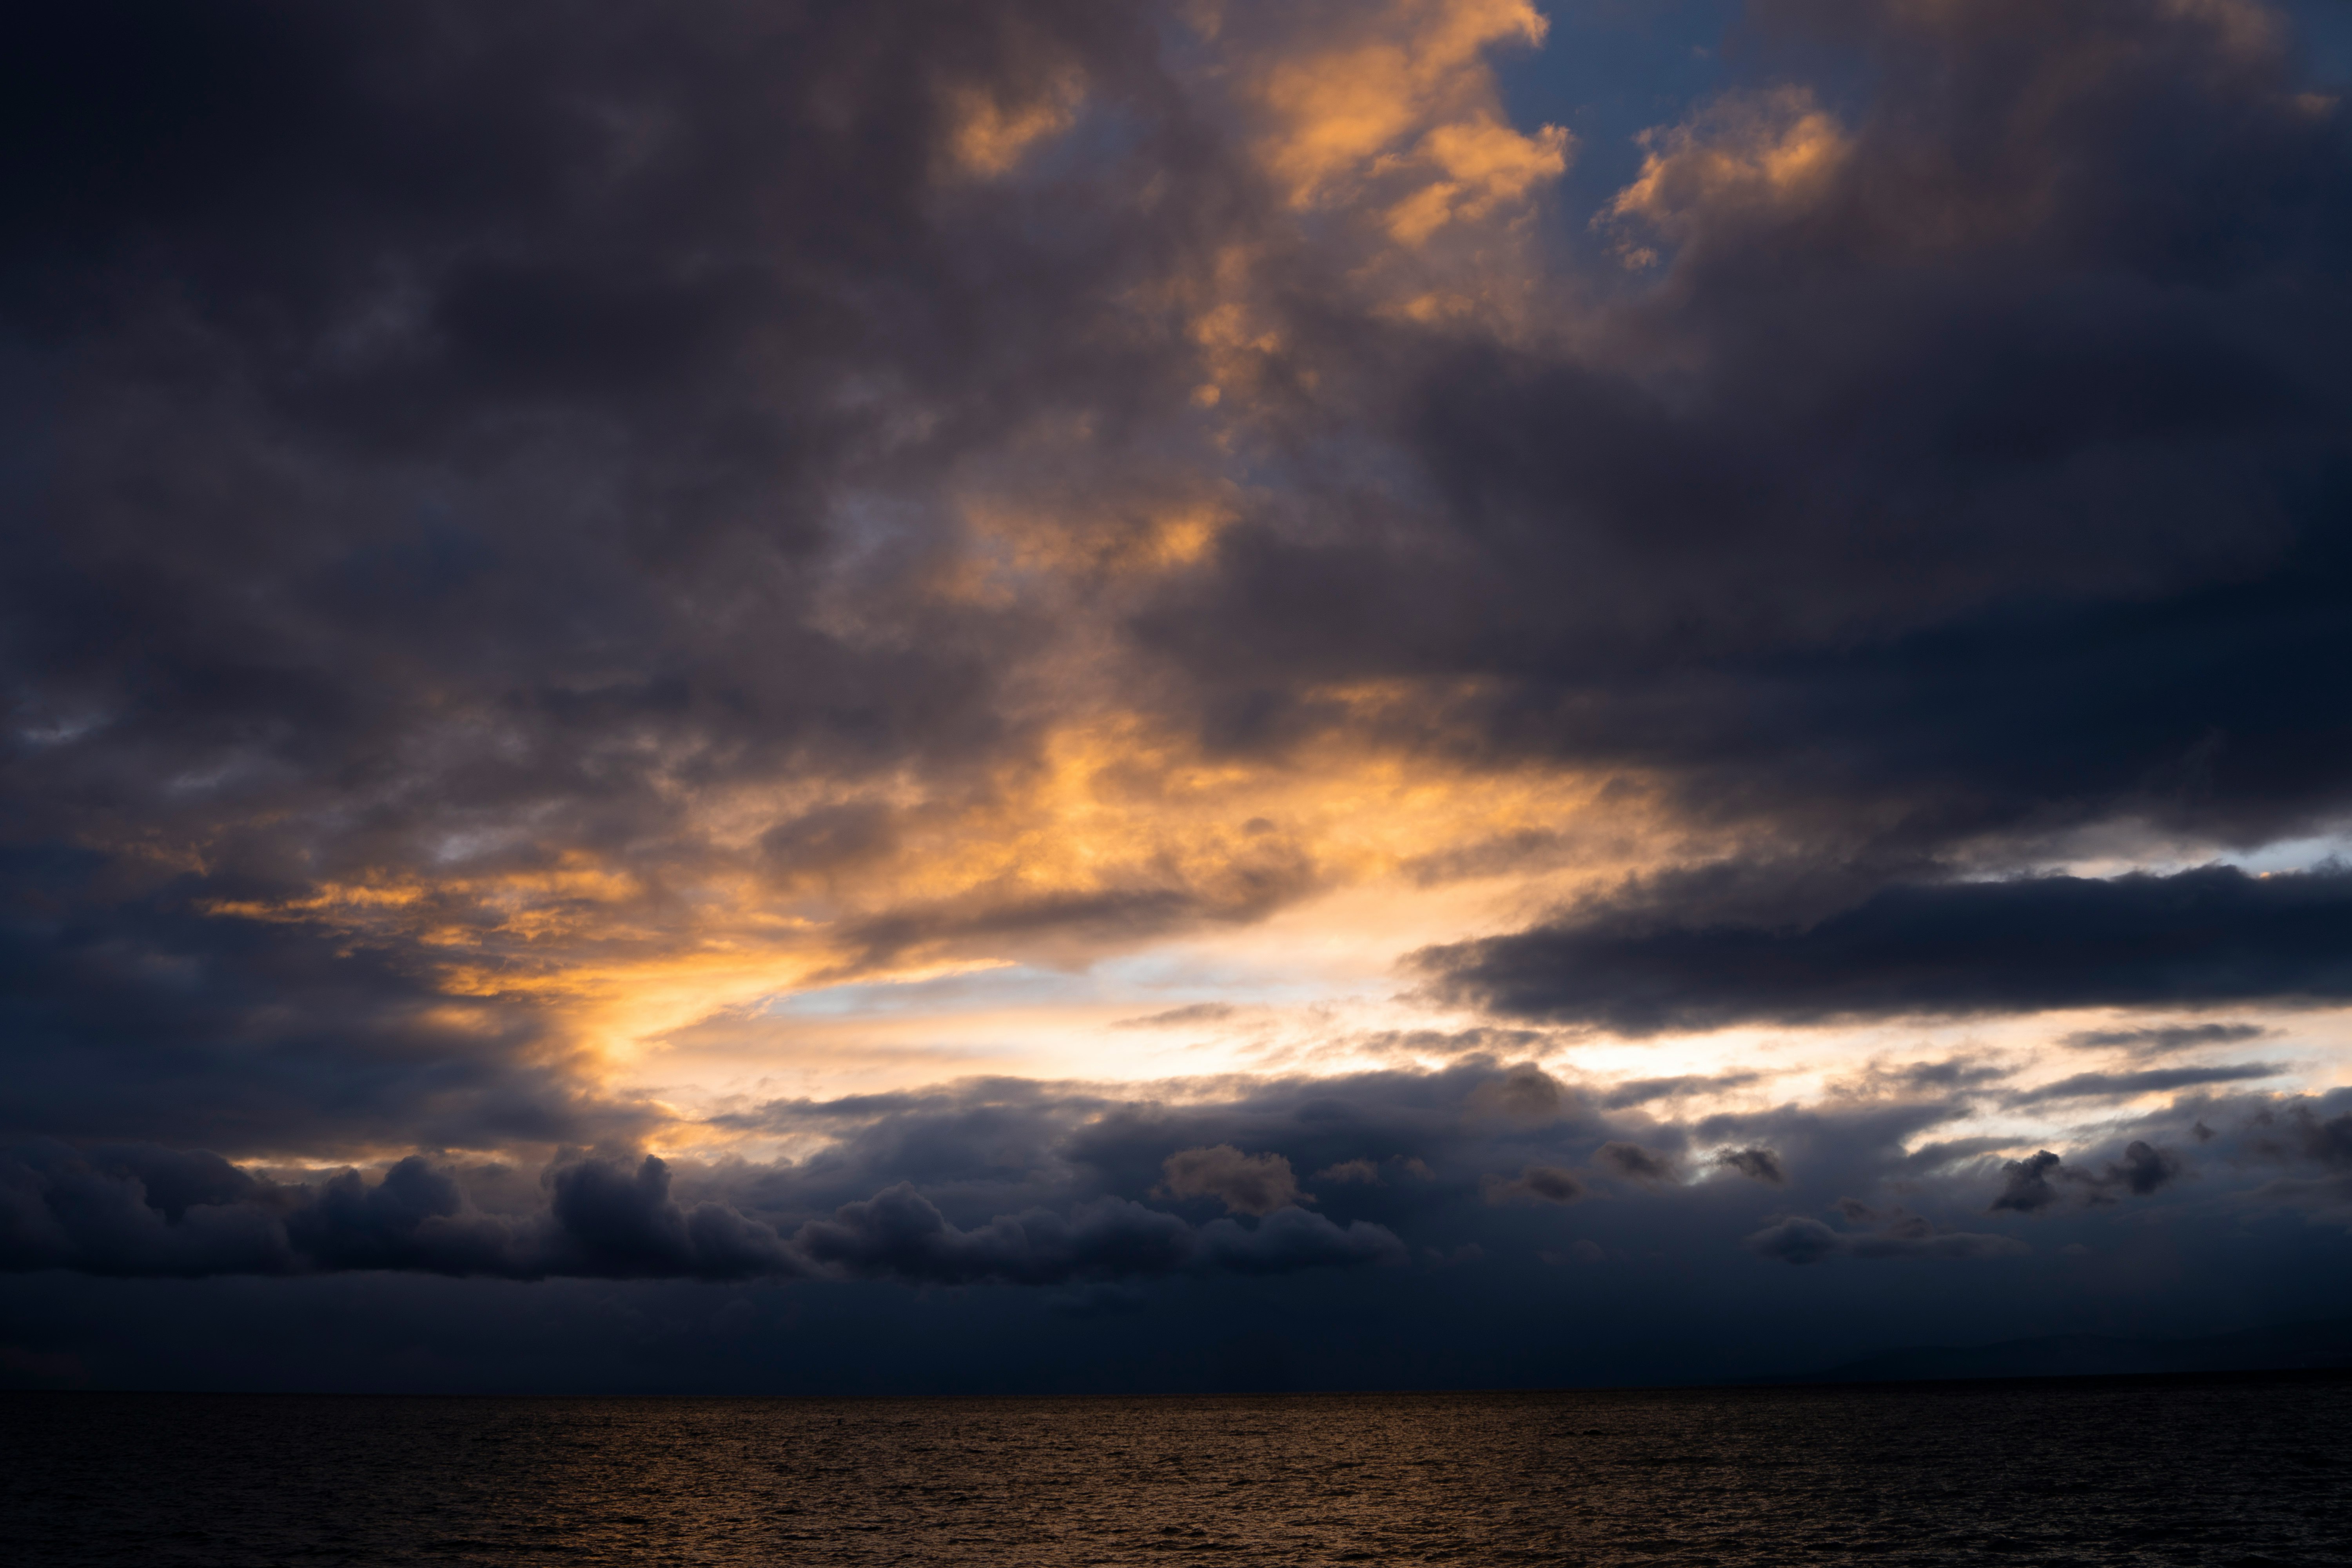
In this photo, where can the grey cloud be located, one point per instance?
(1956, 948)
(2119, 1085)
(1244, 1183)
(1953, 1073)
(2305, 1140)
(1460, 1044)
(1197, 1012)
(2031, 1186)
(987, 1150)
(472, 288)
(1942, 1154)
(1523, 1093)
(62, 1211)
(1633, 1163)
(615, 1223)
(2301, 1138)
(454, 424)
(2026, 1187)
(899, 1233)
(2301, 1135)
(1757, 1163)
(830, 839)
(1534, 1184)
(1003, 1182)
(449, 441)
(1510, 852)
(143, 1211)
(2163, 1039)
(1797, 1240)
(1997, 490)
(415, 1216)
(1291, 1238)
(1642, 1091)
(2145, 1168)
(1246, 889)
(115, 1211)
(2329, 1141)
(471, 439)
(1801, 1240)
(150, 1016)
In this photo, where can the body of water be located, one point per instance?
(2208, 1471)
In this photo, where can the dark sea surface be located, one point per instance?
(2210, 1470)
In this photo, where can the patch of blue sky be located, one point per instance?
(1179, 979)
(2298, 854)
(1610, 69)
(1146, 980)
(1016, 985)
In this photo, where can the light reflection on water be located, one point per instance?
(2212, 1471)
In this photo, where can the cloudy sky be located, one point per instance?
(767, 694)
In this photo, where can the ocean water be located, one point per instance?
(2221, 1471)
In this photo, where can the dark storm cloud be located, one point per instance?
(996, 1180)
(558, 315)
(899, 1233)
(2329, 1141)
(1291, 1238)
(452, 441)
(2298, 1133)
(2026, 1186)
(1977, 474)
(2296, 1149)
(2034, 1186)
(2144, 1168)
(2211, 935)
(1633, 1163)
(619, 1222)
(104, 1211)
(1633, 1320)
(1503, 1148)
(139, 1210)
(983, 1185)
(1535, 1184)
(146, 1016)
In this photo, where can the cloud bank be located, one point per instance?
(2211, 936)
(544, 540)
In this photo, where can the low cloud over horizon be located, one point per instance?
(1123, 662)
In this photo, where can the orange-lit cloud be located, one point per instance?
(1768, 152)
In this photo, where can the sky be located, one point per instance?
(1124, 695)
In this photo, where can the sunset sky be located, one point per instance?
(955, 694)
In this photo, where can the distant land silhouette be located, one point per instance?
(2283, 1348)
